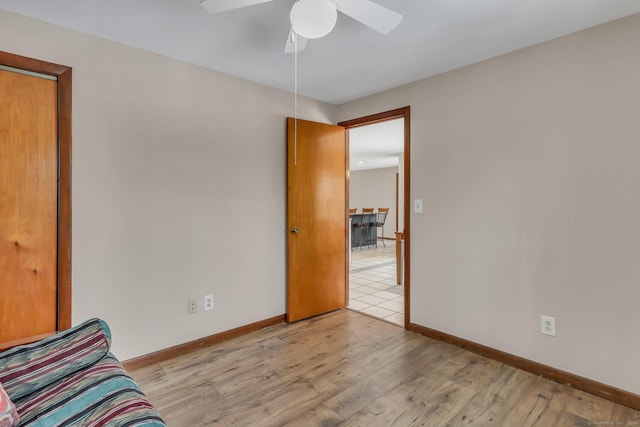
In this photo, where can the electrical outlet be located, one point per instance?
(192, 306)
(548, 325)
(208, 302)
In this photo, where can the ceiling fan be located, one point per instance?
(312, 19)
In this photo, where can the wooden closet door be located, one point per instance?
(28, 206)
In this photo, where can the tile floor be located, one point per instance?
(372, 283)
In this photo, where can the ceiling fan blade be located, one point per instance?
(290, 45)
(371, 14)
(215, 6)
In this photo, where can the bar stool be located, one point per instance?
(357, 227)
(382, 216)
(352, 219)
(368, 218)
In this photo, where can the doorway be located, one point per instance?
(378, 281)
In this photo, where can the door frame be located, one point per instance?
(63, 76)
(403, 112)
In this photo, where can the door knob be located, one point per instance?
(294, 230)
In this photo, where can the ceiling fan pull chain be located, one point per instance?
(294, 36)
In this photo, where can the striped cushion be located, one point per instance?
(29, 368)
(8, 414)
(101, 395)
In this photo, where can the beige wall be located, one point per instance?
(375, 188)
(178, 188)
(528, 165)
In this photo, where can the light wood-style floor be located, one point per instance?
(349, 369)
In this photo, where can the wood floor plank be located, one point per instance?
(378, 375)
(493, 403)
(477, 373)
(412, 393)
(320, 416)
(347, 369)
(590, 407)
(314, 361)
(278, 406)
(437, 408)
(621, 415)
(534, 405)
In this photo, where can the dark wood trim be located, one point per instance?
(64, 76)
(407, 216)
(581, 383)
(347, 252)
(375, 118)
(64, 207)
(188, 347)
(30, 64)
(404, 112)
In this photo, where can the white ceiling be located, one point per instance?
(376, 146)
(353, 61)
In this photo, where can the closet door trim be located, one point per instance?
(62, 74)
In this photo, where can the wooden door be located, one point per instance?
(316, 218)
(28, 206)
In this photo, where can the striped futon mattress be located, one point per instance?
(71, 379)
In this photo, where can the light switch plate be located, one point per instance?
(417, 206)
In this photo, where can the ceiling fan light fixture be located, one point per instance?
(313, 18)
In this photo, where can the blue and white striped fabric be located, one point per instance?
(25, 369)
(71, 379)
(101, 395)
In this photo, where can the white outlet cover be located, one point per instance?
(192, 306)
(208, 302)
(548, 325)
